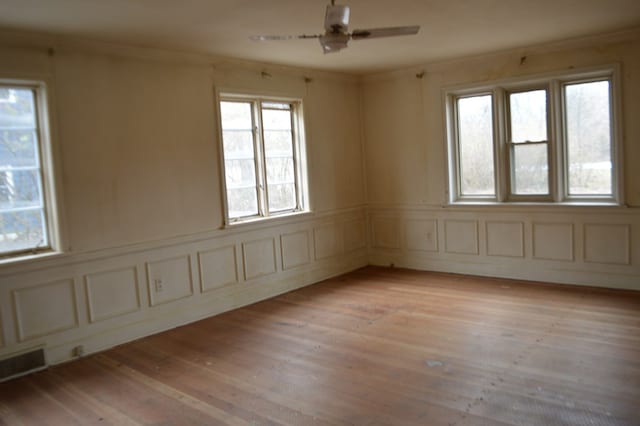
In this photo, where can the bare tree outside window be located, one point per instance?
(475, 139)
(544, 139)
(261, 157)
(22, 212)
(589, 138)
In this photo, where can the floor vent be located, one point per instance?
(22, 364)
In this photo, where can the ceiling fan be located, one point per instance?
(337, 35)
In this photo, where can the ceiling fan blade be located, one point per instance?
(281, 37)
(385, 32)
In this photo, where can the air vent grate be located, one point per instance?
(22, 364)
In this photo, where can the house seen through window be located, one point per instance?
(24, 225)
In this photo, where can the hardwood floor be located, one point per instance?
(374, 347)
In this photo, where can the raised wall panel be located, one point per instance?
(45, 309)
(461, 236)
(607, 243)
(112, 293)
(505, 239)
(421, 235)
(553, 241)
(218, 268)
(259, 258)
(326, 241)
(295, 249)
(355, 235)
(386, 233)
(169, 279)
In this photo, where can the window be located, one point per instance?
(263, 150)
(549, 139)
(25, 196)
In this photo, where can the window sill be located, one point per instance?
(270, 220)
(27, 258)
(537, 206)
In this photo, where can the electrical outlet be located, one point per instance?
(78, 351)
(157, 283)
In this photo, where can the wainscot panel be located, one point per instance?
(81, 303)
(327, 240)
(597, 246)
(60, 314)
(295, 249)
(461, 236)
(259, 258)
(112, 293)
(505, 239)
(169, 280)
(218, 268)
(606, 243)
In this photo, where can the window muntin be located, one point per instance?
(23, 212)
(554, 139)
(261, 142)
(528, 142)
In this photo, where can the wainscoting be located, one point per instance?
(77, 304)
(588, 246)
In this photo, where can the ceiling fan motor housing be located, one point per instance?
(336, 19)
(334, 42)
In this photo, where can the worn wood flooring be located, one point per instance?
(374, 347)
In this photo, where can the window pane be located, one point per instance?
(240, 173)
(531, 170)
(528, 116)
(18, 148)
(278, 147)
(476, 145)
(20, 188)
(239, 156)
(17, 109)
(238, 144)
(278, 143)
(236, 116)
(276, 119)
(22, 230)
(242, 202)
(282, 197)
(22, 221)
(588, 118)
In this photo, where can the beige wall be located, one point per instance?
(406, 178)
(139, 144)
(137, 152)
(136, 145)
(403, 115)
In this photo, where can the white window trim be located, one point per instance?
(554, 81)
(300, 158)
(51, 184)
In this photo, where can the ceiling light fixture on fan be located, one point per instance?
(337, 35)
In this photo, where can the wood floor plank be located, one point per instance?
(378, 346)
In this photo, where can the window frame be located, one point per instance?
(50, 185)
(554, 83)
(301, 184)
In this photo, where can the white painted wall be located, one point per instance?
(406, 179)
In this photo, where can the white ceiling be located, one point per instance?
(450, 28)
